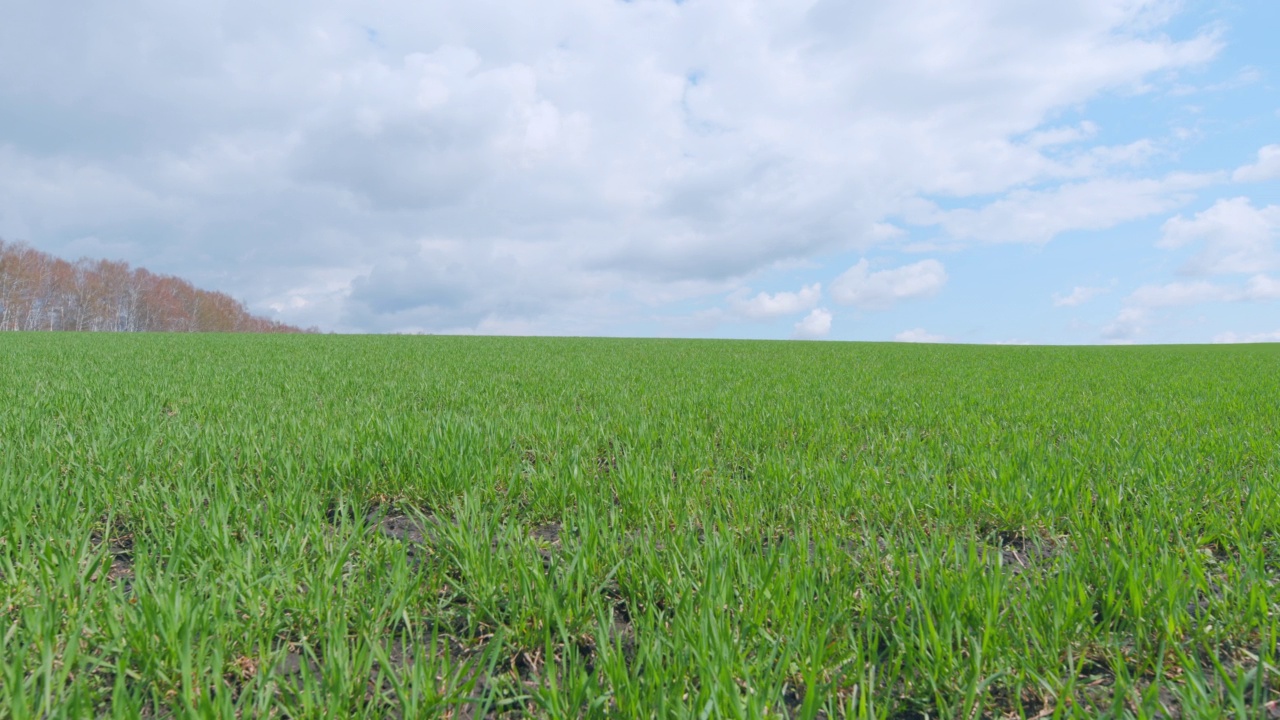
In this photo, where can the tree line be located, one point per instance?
(41, 292)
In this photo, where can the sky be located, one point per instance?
(985, 171)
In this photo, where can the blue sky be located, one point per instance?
(993, 171)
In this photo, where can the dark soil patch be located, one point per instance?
(405, 528)
(794, 693)
(295, 664)
(339, 513)
(122, 570)
(120, 549)
(548, 533)
(547, 539)
(623, 631)
(417, 532)
(1199, 609)
(1020, 551)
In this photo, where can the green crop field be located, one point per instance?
(251, 526)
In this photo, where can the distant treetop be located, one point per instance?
(42, 292)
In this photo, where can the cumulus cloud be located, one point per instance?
(1129, 324)
(815, 325)
(1236, 237)
(918, 335)
(566, 165)
(882, 289)
(1079, 295)
(1261, 287)
(765, 306)
(1266, 168)
(1142, 305)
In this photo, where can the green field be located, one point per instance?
(218, 526)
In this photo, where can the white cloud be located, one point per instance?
(1267, 167)
(1237, 237)
(863, 288)
(1079, 295)
(694, 324)
(817, 324)
(918, 335)
(1037, 216)
(1263, 337)
(1141, 306)
(1178, 293)
(1130, 323)
(1261, 287)
(1051, 137)
(764, 306)
(1257, 288)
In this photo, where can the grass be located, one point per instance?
(218, 526)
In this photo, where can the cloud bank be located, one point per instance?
(584, 167)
